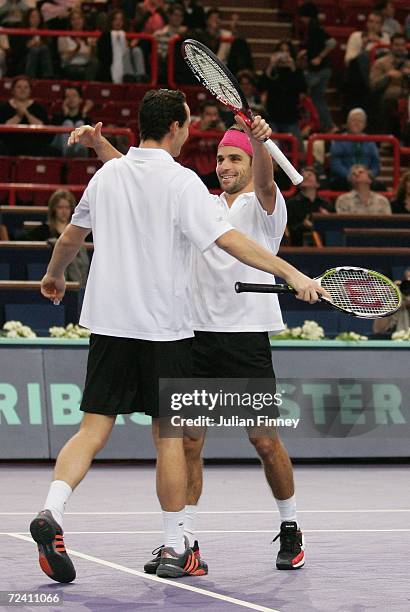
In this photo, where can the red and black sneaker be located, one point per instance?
(53, 558)
(172, 565)
(292, 548)
(151, 566)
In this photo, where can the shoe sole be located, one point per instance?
(151, 569)
(285, 566)
(51, 562)
(173, 571)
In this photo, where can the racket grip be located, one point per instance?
(283, 162)
(262, 288)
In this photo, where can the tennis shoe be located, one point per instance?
(53, 557)
(292, 549)
(172, 565)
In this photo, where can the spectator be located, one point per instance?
(360, 42)
(213, 33)
(302, 205)
(31, 54)
(174, 28)
(389, 79)
(346, 153)
(400, 320)
(282, 85)
(56, 13)
(401, 204)
(119, 59)
(21, 109)
(194, 17)
(361, 200)
(317, 46)
(390, 25)
(407, 28)
(61, 206)
(74, 113)
(77, 54)
(4, 49)
(150, 16)
(199, 153)
(12, 13)
(247, 82)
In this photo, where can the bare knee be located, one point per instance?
(265, 447)
(193, 447)
(96, 430)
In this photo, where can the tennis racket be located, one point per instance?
(356, 291)
(222, 84)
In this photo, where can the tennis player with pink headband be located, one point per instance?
(232, 331)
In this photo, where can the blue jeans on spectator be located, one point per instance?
(317, 82)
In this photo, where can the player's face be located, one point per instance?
(233, 168)
(181, 134)
(63, 211)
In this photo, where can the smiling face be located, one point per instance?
(356, 123)
(234, 169)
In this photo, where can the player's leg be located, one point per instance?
(279, 475)
(193, 445)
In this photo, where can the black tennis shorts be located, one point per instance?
(123, 373)
(232, 355)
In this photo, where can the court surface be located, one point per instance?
(355, 520)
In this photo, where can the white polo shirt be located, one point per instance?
(216, 306)
(144, 210)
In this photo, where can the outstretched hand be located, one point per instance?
(87, 135)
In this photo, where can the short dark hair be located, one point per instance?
(396, 36)
(205, 103)
(77, 88)
(158, 109)
(212, 11)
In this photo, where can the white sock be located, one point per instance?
(174, 530)
(287, 508)
(189, 523)
(57, 498)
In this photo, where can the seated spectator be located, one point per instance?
(401, 204)
(194, 15)
(12, 13)
(120, 60)
(361, 200)
(174, 28)
(400, 320)
(389, 79)
(61, 206)
(317, 45)
(4, 49)
(390, 25)
(21, 109)
(73, 114)
(346, 153)
(150, 16)
(31, 54)
(282, 85)
(357, 60)
(77, 54)
(56, 13)
(303, 204)
(213, 33)
(247, 82)
(199, 153)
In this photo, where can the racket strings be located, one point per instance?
(361, 292)
(212, 76)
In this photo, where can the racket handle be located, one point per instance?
(262, 288)
(283, 162)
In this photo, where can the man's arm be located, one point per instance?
(262, 167)
(66, 248)
(91, 137)
(252, 254)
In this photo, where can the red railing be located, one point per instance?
(94, 34)
(12, 188)
(56, 129)
(381, 45)
(360, 138)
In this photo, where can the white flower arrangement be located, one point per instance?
(16, 329)
(350, 337)
(400, 336)
(69, 332)
(310, 330)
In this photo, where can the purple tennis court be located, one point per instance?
(355, 521)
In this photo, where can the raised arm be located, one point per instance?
(91, 137)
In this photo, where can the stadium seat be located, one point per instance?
(36, 271)
(355, 13)
(37, 170)
(4, 271)
(6, 174)
(104, 92)
(45, 90)
(80, 171)
(40, 317)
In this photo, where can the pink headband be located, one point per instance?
(235, 138)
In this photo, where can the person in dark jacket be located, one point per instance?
(303, 204)
(401, 204)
